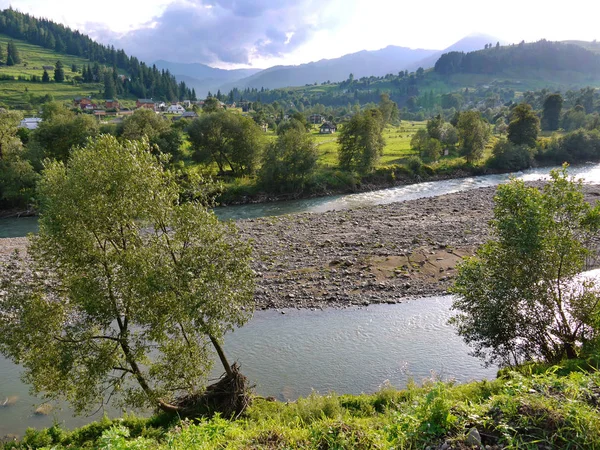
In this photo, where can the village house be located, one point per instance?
(82, 102)
(189, 115)
(48, 67)
(175, 109)
(186, 103)
(316, 119)
(146, 103)
(328, 128)
(111, 104)
(31, 123)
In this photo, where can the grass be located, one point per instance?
(516, 411)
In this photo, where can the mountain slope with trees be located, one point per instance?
(131, 76)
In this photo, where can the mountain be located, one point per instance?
(467, 44)
(365, 63)
(203, 78)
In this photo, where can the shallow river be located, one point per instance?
(348, 351)
(288, 355)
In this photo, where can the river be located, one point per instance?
(348, 351)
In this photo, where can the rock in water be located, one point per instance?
(43, 410)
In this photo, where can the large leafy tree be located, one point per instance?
(361, 141)
(524, 126)
(126, 289)
(228, 139)
(144, 123)
(289, 162)
(519, 299)
(551, 114)
(473, 134)
(17, 177)
(60, 131)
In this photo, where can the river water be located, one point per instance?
(348, 351)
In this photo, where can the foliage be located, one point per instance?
(124, 288)
(473, 134)
(144, 123)
(59, 72)
(551, 114)
(227, 139)
(361, 141)
(60, 131)
(508, 156)
(389, 110)
(515, 411)
(419, 140)
(519, 298)
(524, 126)
(288, 162)
(432, 150)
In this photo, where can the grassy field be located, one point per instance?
(34, 57)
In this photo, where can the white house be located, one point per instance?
(175, 109)
(31, 123)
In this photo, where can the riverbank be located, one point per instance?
(546, 411)
(375, 254)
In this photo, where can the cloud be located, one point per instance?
(228, 31)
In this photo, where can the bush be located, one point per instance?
(508, 156)
(414, 164)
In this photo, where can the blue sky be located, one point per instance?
(262, 33)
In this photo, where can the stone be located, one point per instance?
(473, 437)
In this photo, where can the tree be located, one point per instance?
(60, 131)
(59, 72)
(432, 150)
(110, 90)
(524, 127)
(419, 140)
(74, 68)
(434, 127)
(361, 141)
(144, 123)
(125, 288)
(518, 299)
(228, 139)
(289, 162)
(211, 104)
(389, 110)
(45, 77)
(508, 156)
(13, 53)
(473, 134)
(17, 177)
(551, 114)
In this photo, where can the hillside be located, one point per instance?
(104, 63)
(22, 94)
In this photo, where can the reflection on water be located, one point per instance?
(347, 351)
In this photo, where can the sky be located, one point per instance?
(263, 33)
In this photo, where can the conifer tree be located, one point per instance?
(45, 77)
(59, 72)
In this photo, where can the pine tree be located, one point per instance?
(9, 60)
(109, 86)
(45, 77)
(11, 50)
(59, 72)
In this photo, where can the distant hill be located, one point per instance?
(470, 43)
(365, 63)
(522, 58)
(204, 78)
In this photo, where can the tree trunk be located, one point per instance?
(221, 354)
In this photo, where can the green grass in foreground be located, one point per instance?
(518, 411)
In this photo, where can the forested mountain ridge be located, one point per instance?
(141, 80)
(544, 55)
